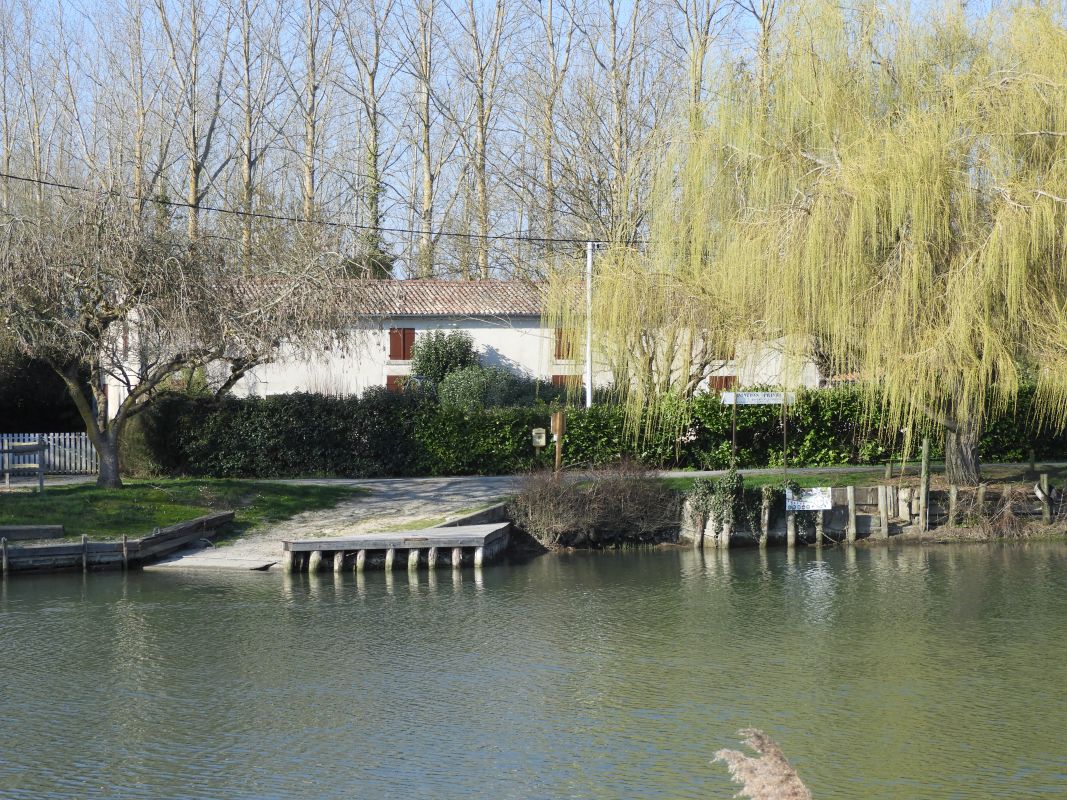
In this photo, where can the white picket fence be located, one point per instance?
(67, 454)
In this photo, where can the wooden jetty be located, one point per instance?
(451, 546)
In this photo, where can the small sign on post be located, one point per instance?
(758, 398)
(815, 499)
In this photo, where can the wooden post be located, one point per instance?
(733, 432)
(924, 487)
(1046, 504)
(288, 561)
(339, 561)
(431, 558)
(765, 516)
(361, 560)
(850, 531)
(979, 501)
(85, 552)
(894, 502)
(457, 557)
(953, 499)
(40, 464)
(1033, 461)
(791, 528)
(889, 469)
(883, 511)
(125, 552)
(314, 561)
(413, 559)
(479, 556)
(3, 555)
(559, 427)
(820, 516)
(390, 557)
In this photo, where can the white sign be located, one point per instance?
(817, 499)
(758, 398)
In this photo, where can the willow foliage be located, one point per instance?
(897, 198)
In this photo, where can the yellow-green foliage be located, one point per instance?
(899, 196)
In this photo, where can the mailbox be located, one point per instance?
(538, 435)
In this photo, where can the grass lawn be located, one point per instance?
(143, 505)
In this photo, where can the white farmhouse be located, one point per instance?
(504, 320)
(502, 317)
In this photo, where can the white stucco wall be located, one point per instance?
(517, 343)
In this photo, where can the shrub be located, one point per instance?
(621, 505)
(435, 354)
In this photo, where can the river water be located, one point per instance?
(936, 672)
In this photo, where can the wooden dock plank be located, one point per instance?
(459, 536)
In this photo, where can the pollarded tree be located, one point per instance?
(93, 288)
(898, 196)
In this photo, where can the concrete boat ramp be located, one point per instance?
(452, 546)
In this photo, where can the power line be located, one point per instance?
(285, 218)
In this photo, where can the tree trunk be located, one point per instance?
(961, 453)
(108, 449)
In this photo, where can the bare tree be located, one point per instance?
(198, 64)
(479, 57)
(89, 286)
(364, 28)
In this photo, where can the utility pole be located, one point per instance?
(588, 380)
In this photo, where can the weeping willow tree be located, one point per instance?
(894, 197)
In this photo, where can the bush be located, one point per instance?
(435, 354)
(383, 433)
(621, 505)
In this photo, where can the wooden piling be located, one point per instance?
(431, 558)
(791, 529)
(765, 516)
(314, 561)
(894, 502)
(479, 556)
(1046, 504)
(3, 555)
(85, 552)
(390, 557)
(288, 561)
(850, 531)
(883, 512)
(413, 559)
(727, 531)
(125, 552)
(339, 561)
(924, 487)
(979, 501)
(953, 504)
(457, 557)
(361, 560)
(889, 469)
(820, 516)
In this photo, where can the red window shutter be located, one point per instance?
(396, 344)
(721, 383)
(395, 383)
(560, 381)
(409, 342)
(559, 344)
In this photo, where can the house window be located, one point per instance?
(722, 383)
(400, 342)
(564, 345)
(395, 383)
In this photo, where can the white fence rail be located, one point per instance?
(67, 453)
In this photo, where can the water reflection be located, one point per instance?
(885, 672)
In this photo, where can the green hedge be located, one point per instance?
(386, 434)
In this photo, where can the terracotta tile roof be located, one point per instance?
(435, 298)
